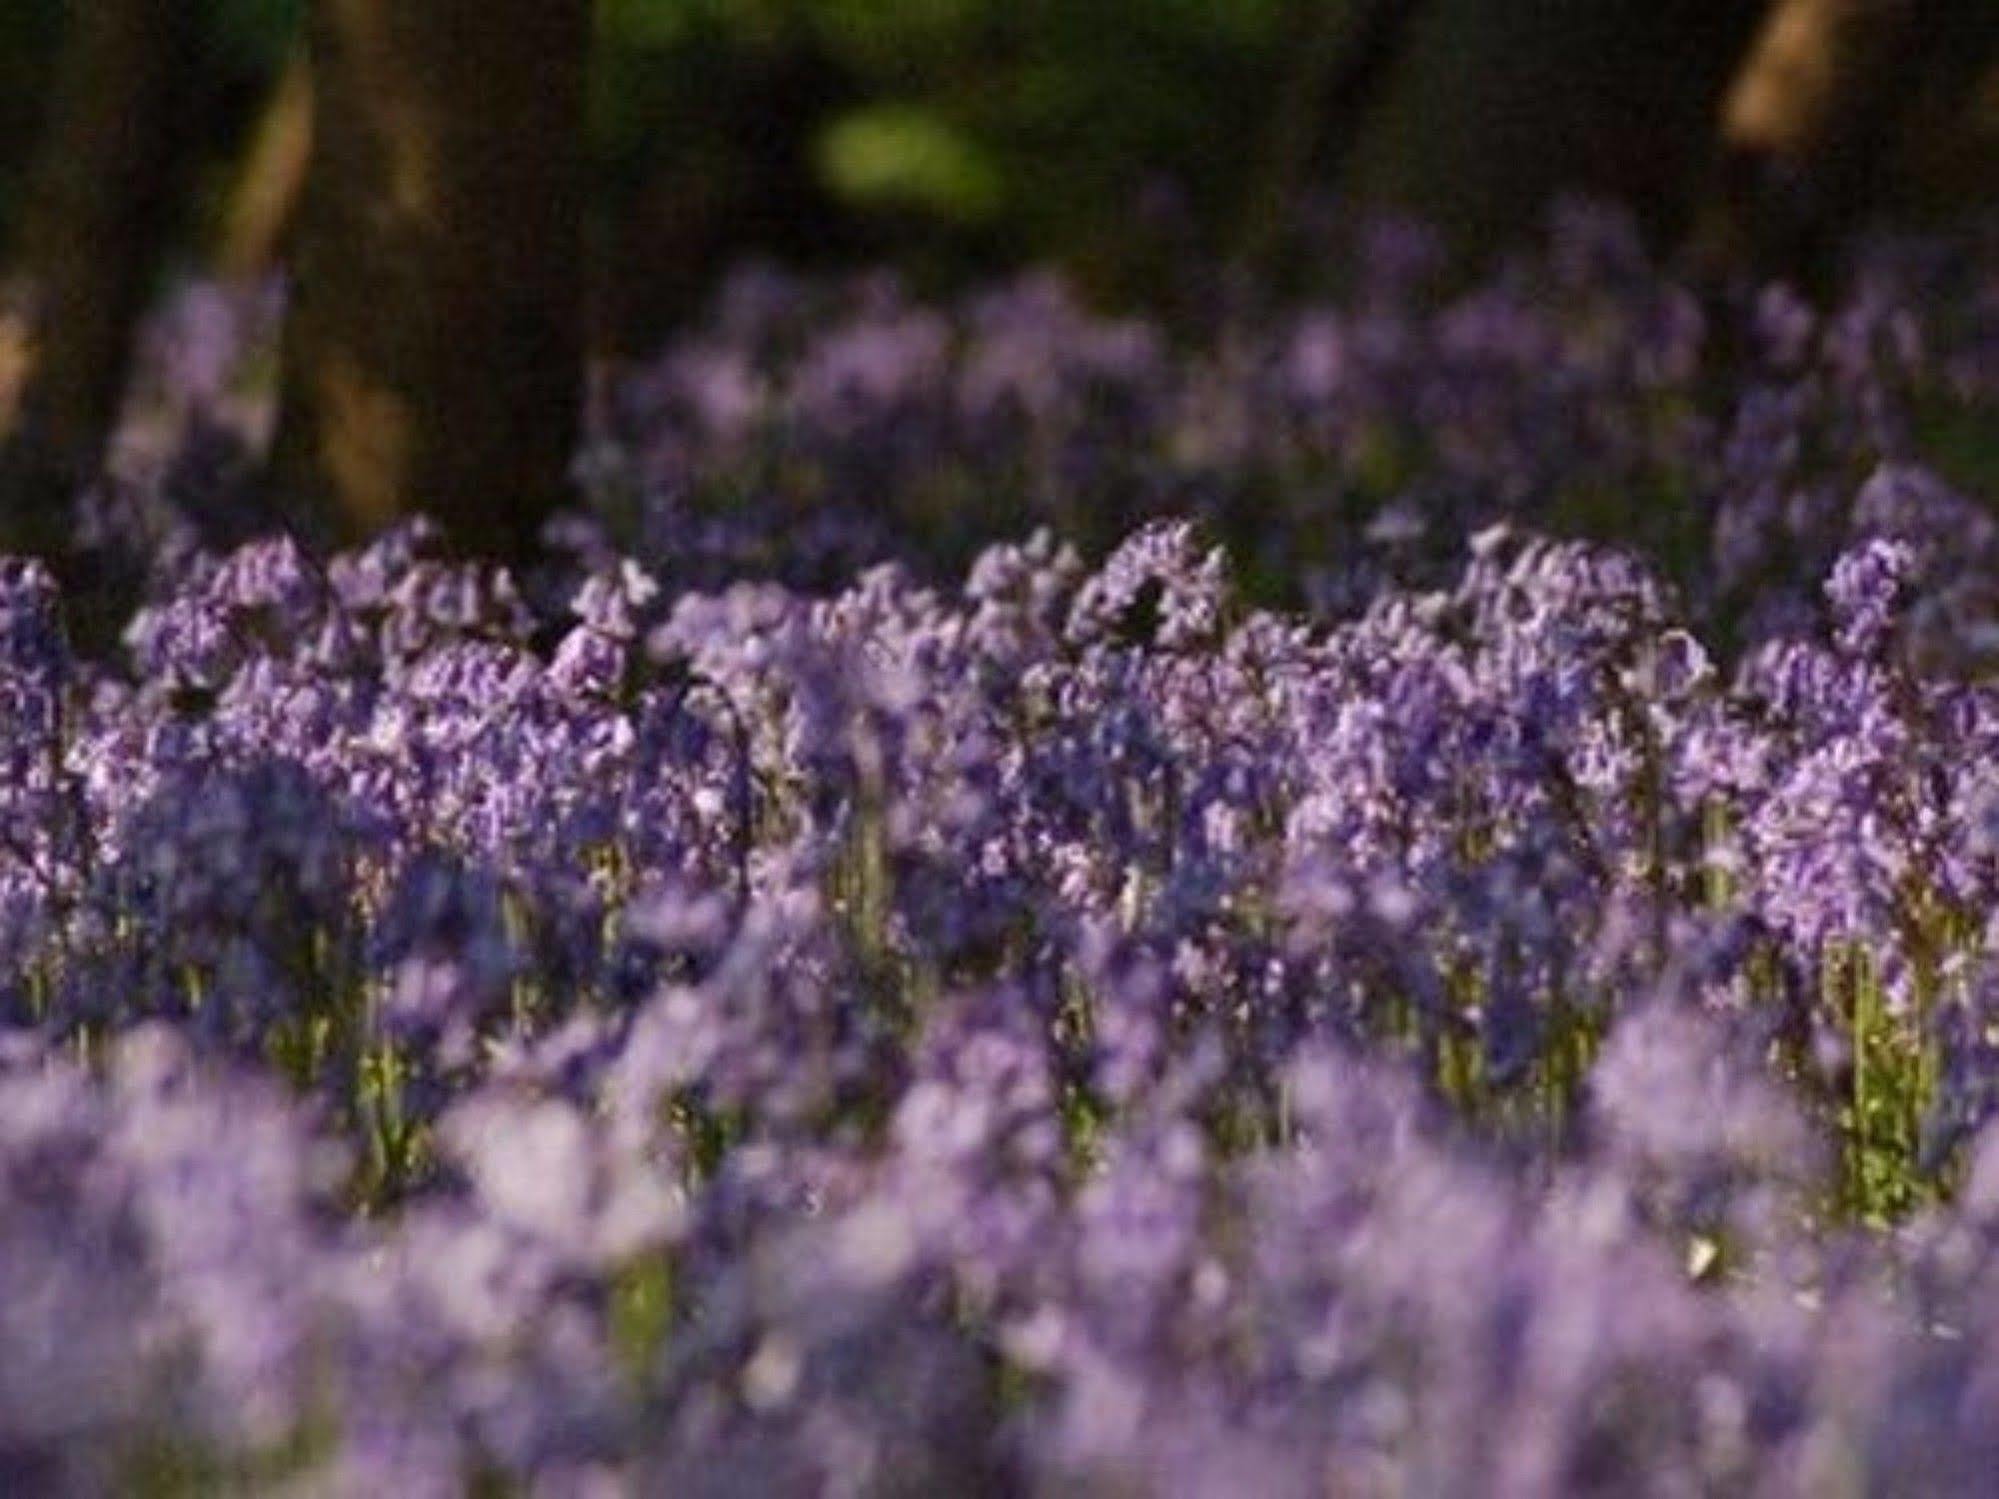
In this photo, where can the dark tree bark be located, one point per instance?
(1343, 56)
(107, 188)
(434, 343)
(1812, 124)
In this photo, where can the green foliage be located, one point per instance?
(1031, 128)
(641, 1313)
(1077, 104)
(896, 156)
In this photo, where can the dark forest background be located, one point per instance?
(473, 200)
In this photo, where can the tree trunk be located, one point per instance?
(1343, 55)
(1812, 121)
(1494, 108)
(106, 189)
(433, 345)
(262, 205)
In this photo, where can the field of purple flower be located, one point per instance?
(1394, 898)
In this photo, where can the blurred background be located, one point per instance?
(1116, 136)
(1150, 148)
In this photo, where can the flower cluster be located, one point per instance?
(749, 1009)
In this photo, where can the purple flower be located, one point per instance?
(1863, 590)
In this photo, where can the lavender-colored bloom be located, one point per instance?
(1863, 589)
(791, 997)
